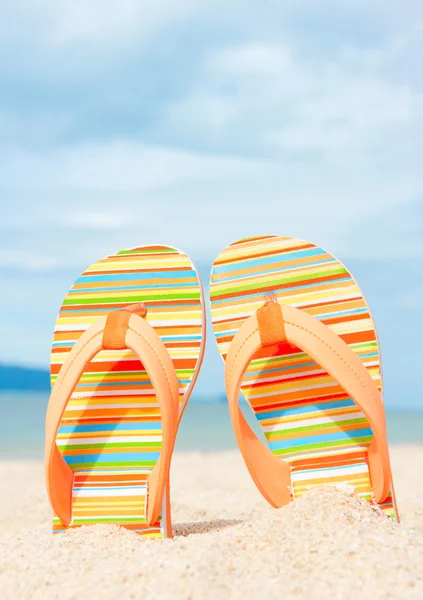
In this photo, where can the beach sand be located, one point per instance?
(228, 542)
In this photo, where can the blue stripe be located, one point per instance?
(123, 457)
(120, 383)
(283, 368)
(269, 271)
(97, 427)
(138, 276)
(165, 338)
(111, 383)
(133, 470)
(130, 287)
(344, 313)
(180, 338)
(75, 311)
(119, 487)
(316, 439)
(220, 334)
(259, 294)
(353, 465)
(268, 260)
(301, 410)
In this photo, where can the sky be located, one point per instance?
(199, 122)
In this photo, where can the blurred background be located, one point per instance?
(196, 123)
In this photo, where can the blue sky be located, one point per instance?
(197, 122)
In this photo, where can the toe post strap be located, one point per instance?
(121, 329)
(274, 324)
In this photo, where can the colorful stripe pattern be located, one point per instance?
(306, 417)
(110, 434)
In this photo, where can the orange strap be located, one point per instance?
(271, 474)
(123, 330)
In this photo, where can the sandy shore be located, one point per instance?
(229, 543)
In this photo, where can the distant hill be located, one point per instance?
(13, 377)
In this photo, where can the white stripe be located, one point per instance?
(118, 392)
(86, 492)
(320, 297)
(109, 517)
(153, 322)
(249, 379)
(131, 356)
(102, 406)
(127, 355)
(94, 484)
(111, 439)
(112, 393)
(95, 417)
(328, 473)
(71, 327)
(299, 389)
(99, 472)
(271, 274)
(322, 453)
(245, 311)
(327, 419)
(292, 376)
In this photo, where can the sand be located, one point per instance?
(229, 543)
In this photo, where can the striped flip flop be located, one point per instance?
(299, 342)
(127, 349)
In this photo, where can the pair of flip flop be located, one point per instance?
(298, 341)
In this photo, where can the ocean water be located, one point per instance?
(205, 426)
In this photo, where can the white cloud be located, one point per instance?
(196, 123)
(350, 113)
(333, 143)
(254, 95)
(199, 122)
(197, 202)
(123, 166)
(255, 59)
(54, 23)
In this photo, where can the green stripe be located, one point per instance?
(110, 520)
(120, 465)
(105, 445)
(275, 282)
(134, 298)
(364, 345)
(333, 425)
(122, 374)
(149, 251)
(284, 358)
(310, 447)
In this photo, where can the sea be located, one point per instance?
(205, 426)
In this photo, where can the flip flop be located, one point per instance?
(300, 343)
(127, 349)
